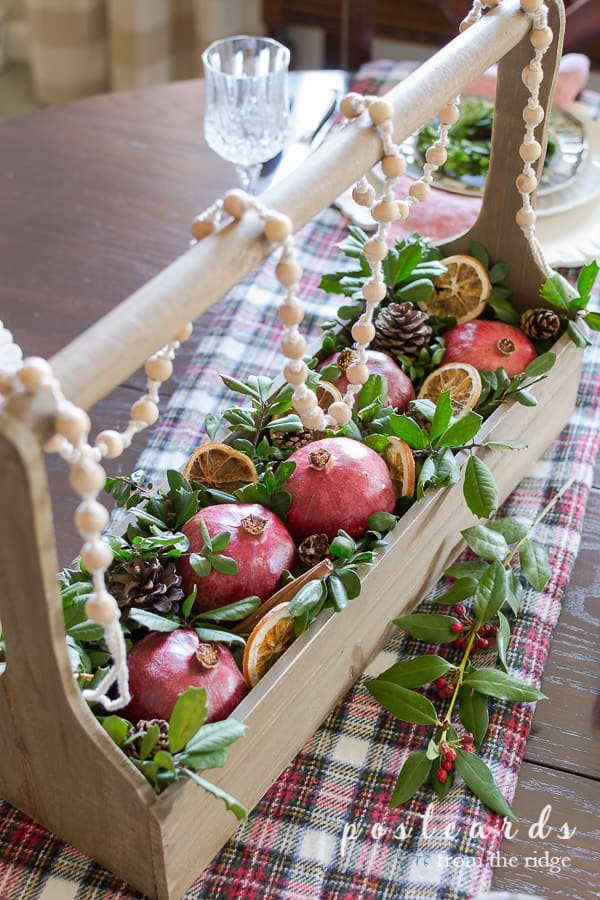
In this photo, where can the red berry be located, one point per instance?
(447, 764)
(448, 690)
(456, 627)
(441, 775)
(450, 754)
(460, 643)
(440, 683)
(483, 643)
(467, 739)
(493, 630)
(460, 609)
(445, 748)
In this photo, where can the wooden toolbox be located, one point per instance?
(56, 763)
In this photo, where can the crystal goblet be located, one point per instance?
(246, 103)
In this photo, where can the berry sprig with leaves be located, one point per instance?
(486, 594)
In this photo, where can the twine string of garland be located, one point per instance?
(20, 392)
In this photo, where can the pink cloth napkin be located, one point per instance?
(572, 78)
(442, 216)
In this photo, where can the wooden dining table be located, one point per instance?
(96, 197)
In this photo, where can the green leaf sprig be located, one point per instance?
(572, 309)
(193, 746)
(499, 387)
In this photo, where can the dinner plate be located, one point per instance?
(566, 131)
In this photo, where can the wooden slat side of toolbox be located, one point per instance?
(291, 701)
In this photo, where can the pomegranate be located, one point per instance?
(337, 484)
(162, 666)
(400, 388)
(488, 345)
(260, 544)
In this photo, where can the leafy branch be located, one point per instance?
(184, 746)
(573, 309)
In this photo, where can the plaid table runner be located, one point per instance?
(324, 828)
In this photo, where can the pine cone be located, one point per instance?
(133, 749)
(313, 549)
(402, 330)
(539, 324)
(146, 583)
(293, 440)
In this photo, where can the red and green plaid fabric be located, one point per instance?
(324, 828)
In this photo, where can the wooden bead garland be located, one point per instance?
(530, 150)
(71, 428)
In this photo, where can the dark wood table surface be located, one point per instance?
(95, 198)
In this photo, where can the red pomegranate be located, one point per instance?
(260, 544)
(337, 484)
(162, 666)
(488, 345)
(400, 388)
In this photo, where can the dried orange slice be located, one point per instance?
(219, 466)
(266, 642)
(461, 379)
(461, 292)
(401, 464)
(327, 393)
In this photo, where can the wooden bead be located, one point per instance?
(91, 518)
(34, 372)
(288, 273)
(464, 25)
(375, 250)
(364, 198)
(526, 183)
(363, 332)
(352, 105)
(374, 291)
(315, 419)
(290, 314)
(278, 228)
(380, 111)
(437, 156)
(102, 609)
(295, 376)
(293, 348)
(96, 555)
(340, 412)
(112, 443)
(357, 373)
(419, 190)
(235, 203)
(201, 228)
(532, 77)
(531, 6)
(184, 333)
(54, 444)
(144, 410)
(393, 166)
(533, 115)
(73, 423)
(385, 211)
(87, 479)
(159, 368)
(449, 114)
(541, 38)
(530, 152)
(525, 219)
(403, 209)
(305, 403)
